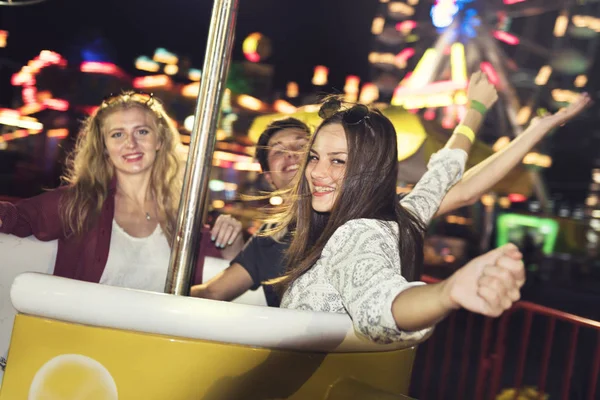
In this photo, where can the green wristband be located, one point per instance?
(478, 106)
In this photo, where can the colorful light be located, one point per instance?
(191, 90)
(3, 37)
(501, 143)
(144, 63)
(106, 68)
(405, 27)
(320, 75)
(152, 81)
(351, 88)
(458, 63)
(171, 69)
(423, 70)
(523, 115)
(402, 58)
(56, 104)
(378, 24)
(250, 103)
(194, 74)
(581, 81)
(491, 72)
(561, 24)
(292, 90)
(443, 12)
(506, 38)
(166, 57)
(543, 75)
(369, 93)
(58, 133)
(282, 106)
(398, 7)
(509, 2)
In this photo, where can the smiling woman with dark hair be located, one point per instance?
(357, 250)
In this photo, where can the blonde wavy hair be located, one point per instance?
(89, 171)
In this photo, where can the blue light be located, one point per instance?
(443, 13)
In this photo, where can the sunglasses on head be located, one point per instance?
(139, 96)
(352, 116)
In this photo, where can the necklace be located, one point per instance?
(147, 216)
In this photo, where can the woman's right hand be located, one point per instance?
(481, 90)
(564, 115)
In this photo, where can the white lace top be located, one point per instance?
(359, 269)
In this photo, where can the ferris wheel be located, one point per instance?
(536, 52)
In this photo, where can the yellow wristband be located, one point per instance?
(466, 131)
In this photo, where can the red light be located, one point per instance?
(516, 198)
(490, 72)
(406, 26)
(509, 2)
(89, 109)
(50, 57)
(404, 55)
(102, 68)
(429, 115)
(29, 94)
(57, 104)
(252, 57)
(506, 38)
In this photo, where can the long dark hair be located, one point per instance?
(368, 191)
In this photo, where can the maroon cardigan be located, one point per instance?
(79, 257)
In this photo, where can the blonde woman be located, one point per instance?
(115, 218)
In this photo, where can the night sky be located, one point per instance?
(304, 33)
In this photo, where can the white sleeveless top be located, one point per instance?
(137, 263)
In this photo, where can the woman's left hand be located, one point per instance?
(226, 230)
(481, 90)
(488, 284)
(562, 116)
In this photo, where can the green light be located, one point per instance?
(546, 226)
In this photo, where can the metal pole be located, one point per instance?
(197, 172)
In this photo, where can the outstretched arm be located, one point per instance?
(488, 285)
(479, 179)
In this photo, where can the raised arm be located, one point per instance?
(446, 167)
(482, 177)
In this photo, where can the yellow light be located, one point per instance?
(423, 69)
(587, 21)
(591, 201)
(194, 75)
(276, 200)
(146, 64)
(369, 93)
(501, 143)
(191, 90)
(399, 7)
(561, 25)
(247, 166)
(284, 107)
(188, 123)
(504, 202)
(596, 175)
(250, 103)
(31, 108)
(250, 44)
(171, 69)
(217, 204)
(543, 75)
(320, 76)
(581, 81)
(461, 98)
(378, 24)
(488, 200)
(292, 90)
(564, 96)
(163, 56)
(413, 2)
(523, 115)
(458, 63)
(58, 133)
(30, 123)
(3, 37)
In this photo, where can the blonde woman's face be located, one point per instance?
(131, 140)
